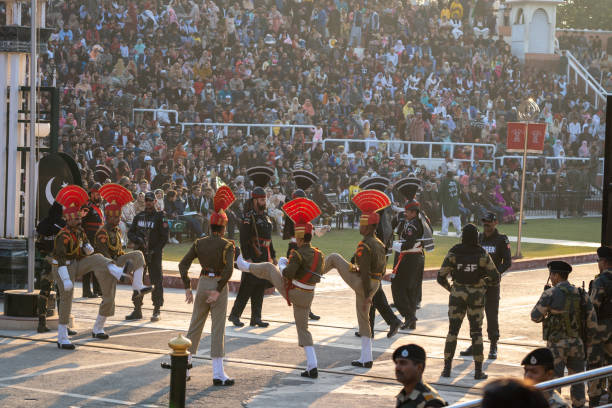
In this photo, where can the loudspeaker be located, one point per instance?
(606, 211)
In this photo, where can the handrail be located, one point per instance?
(409, 143)
(270, 126)
(155, 111)
(586, 76)
(594, 374)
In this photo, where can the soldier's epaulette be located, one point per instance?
(229, 244)
(296, 253)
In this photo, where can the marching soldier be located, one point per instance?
(409, 367)
(498, 246)
(303, 180)
(47, 230)
(92, 221)
(568, 320)
(471, 269)
(296, 277)
(108, 243)
(149, 233)
(73, 257)
(539, 367)
(384, 232)
(600, 293)
(256, 246)
(415, 235)
(370, 263)
(216, 257)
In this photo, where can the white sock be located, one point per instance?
(115, 270)
(311, 357)
(366, 349)
(218, 372)
(99, 324)
(137, 279)
(62, 334)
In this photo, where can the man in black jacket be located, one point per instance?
(498, 246)
(149, 233)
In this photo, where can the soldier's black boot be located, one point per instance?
(135, 315)
(156, 314)
(446, 372)
(394, 327)
(313, 316)
(467, 352)
(479, 374)
(493, 350)
(42, 324)
(235, 320)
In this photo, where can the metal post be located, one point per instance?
(178, 370)
(32, 179)
(522, 201)
(606, 211)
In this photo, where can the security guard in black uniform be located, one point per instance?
(47, 229)
(498, 246)
(149, 234)
(303, 180)
(384, 233)
(92, 221)
(255, 246)
(415, 235)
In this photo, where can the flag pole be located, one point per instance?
(32, 182)
(527, 111)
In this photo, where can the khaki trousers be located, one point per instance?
(109, 286)
(217, 310)
(77, 268)
(349, 274)
(301, 299)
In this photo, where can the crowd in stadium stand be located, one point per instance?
(375, 70)
(591, 53)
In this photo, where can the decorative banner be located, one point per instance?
(515, 141)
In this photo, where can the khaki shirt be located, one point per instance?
(301, 263)
(108, 242)
(216, 256)
(68, 244)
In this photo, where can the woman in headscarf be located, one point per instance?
(583, 150)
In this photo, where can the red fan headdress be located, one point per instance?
(72, 198)
(370, 201)
(223, 199)
(302, 211)
(116, 197)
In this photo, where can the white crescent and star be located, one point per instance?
(48, 193)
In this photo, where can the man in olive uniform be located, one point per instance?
(108, 243)
(498, 246)
(370, 263)
(409, 367)
(255, 246)
(600, 353)
(303, 180)
(73, 257)
(471, 269)
(296, 277)
(149, 233)
(92, 221)
(567, 315)
(384, 232)
(539, 367)
(47, 230)
(449, 200)
(216, 257)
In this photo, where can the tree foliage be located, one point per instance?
(585, 14)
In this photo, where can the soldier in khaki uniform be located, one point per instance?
(296, 277)
(365, 274)
(73, 257)
(539, 367)
(108, 243)
(568, 317)
(216, 256)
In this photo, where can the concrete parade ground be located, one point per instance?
(266, 363)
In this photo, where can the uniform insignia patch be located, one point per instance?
(102, 238)
(404, 353)
(533, 360)
(66, 240)
(428, 397)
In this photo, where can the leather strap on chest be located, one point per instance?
(304, 279)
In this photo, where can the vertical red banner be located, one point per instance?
(515, 141)
(535, 137)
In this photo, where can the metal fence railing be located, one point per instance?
(594, 374)
(563, 204)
